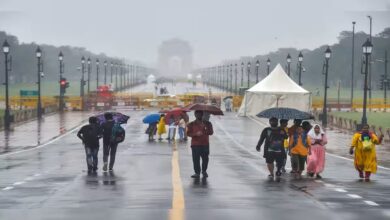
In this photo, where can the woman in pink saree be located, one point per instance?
(316, 161)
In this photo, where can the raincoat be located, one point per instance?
(365, 160)
(161, 126)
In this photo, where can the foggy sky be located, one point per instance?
(216, 29)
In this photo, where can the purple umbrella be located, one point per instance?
(117, 116)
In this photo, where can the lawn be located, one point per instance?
(374, 118)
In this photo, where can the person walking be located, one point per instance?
(316, 161)
(363, 144)
(274, 151)
(283, 125)
(182, 128)
(161, 127)
(172, 129)
(296, 124)
(90, 135)
(112, 135)
(299, 148)
(151, 130)
(200, 131)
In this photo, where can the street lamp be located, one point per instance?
(353, 62)
(61, 99)
(38, 54)
(242, 74)
(235, 78)
(112, 70)
(97, 74)
(89, 73)
(257, 70)
(367, 50)
(249, 72)
(300, 59)
(288, 64)
(105, 72)
(231, 77)
(268, 65)
(82, 81)
(7, 117)
(328, 54)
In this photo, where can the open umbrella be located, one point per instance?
(204, 107)
(285, 113)
(151, 118)
(117, 116)
(228, 97)
(176, 113)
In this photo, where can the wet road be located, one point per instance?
(152, 181)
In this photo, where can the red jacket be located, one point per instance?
(200, 131)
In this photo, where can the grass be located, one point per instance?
(374, 118)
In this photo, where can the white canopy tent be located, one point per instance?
(275, 90)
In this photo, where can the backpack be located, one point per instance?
(91, 135)
(117, 134)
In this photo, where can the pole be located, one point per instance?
(288, 68)
(364, 117)
(267, 70)
(324, 110)
(7, 120)
(39, 106)
(353, 62)
(369, 67)
(235, 82)
(257, 73)
(249, 76)
(242, 75)
(300, 73)
(116, 77)
(386, 82)
(61, 104)
(105, 74)
(97, 77)
(89, 77)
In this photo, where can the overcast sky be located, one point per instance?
(216, 29)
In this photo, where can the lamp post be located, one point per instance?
(61, 99)
(112, 70)
(97, 74)
(231, 78)
(89, 74)
(268, 65)
(300, 59)
(242, 74)
(257, 70)
(328, 54)
(367, 50)
(116, 76)
(7, 118)
(353, 62)
(105, 72)
(249, 72)
(82, 81)
(38, 54)
(369, 65)
(235, 78)
(288, 64)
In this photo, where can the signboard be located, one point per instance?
(28, 93)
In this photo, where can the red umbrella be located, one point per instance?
(204, 107)
(175, 113)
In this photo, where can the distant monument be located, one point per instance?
(175, 58)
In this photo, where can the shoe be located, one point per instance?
(105, 167)
(318, 176)
(284, 170)
(110, 169)
(205, 174)
(292, 171)
(278, 174)
(195, 176)
(361, 176)
(270, 176)
(310, 174)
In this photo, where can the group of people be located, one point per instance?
(304, 143)
(178, 123)
(199, 130)
(90, 134)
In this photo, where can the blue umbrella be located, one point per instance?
(152, 118)
(285, 113)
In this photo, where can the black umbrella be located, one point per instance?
(228, 97)
(285, 113)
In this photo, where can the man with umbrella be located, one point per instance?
(200, 130)
(274, 151)
(109, 146)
